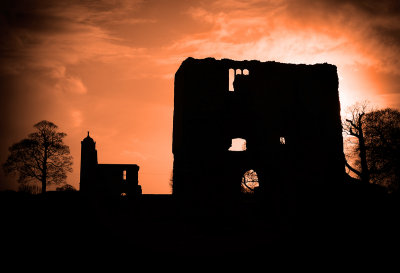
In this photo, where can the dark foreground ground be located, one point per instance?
(63, 226)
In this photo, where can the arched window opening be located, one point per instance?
(231, 79)
(238, 145)
(238, 72)
(245, 72)
(123, 194)
(282, 140)
(250, 182)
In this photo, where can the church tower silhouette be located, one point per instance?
(113, 180)
(88, 163)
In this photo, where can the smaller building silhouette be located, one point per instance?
(113, 180)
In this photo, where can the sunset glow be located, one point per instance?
(108, 66)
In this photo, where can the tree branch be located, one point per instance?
(351, 168)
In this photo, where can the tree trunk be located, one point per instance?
(363, 159)
(44, 172)
(43, 184)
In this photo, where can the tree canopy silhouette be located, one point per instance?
(377, 146)
(382, 141)
(42, 156)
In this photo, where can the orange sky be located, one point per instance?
(108, 66)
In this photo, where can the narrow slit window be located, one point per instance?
(238, 145)
(282, 140)
(231, 79)
(124, 175)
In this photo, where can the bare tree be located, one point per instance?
(42, 156)
(353, 126)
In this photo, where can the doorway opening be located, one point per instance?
(250, 182)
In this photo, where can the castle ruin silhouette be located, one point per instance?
(113, 180)
(288, 116)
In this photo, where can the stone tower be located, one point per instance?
(88, 164)
(287, 114)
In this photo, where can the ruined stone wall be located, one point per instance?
(117, 179)
(297, 102)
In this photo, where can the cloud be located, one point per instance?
(49, 35)
(77, 118)
(371, 26)
(66, 83)
(350, 34)
(256, 35)
(344, 32)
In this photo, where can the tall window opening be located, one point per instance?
(250, 182)
(238, 145)
(282, 140)
(231, 79)
(124, 175)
